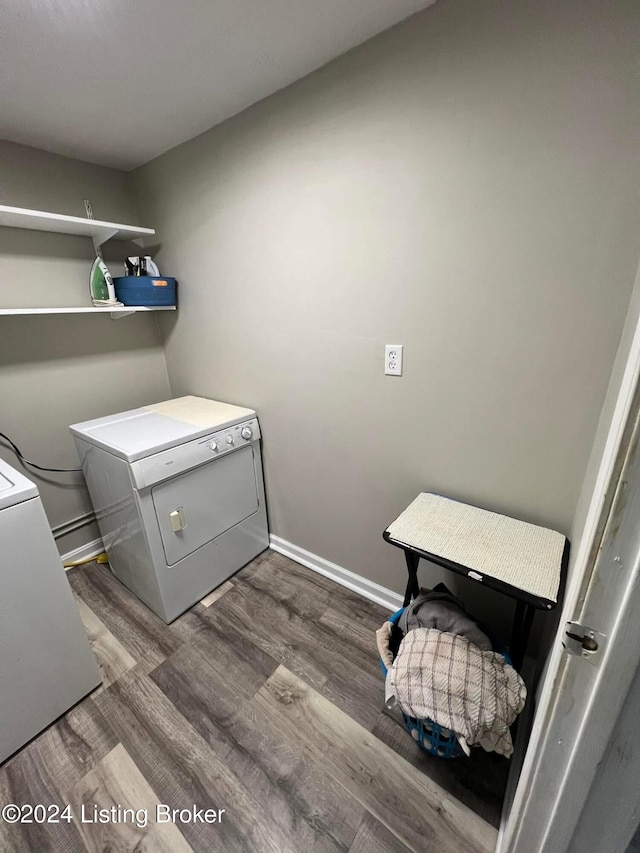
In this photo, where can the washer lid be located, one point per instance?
(142, 432)
(14, 487)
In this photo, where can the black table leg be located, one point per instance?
(413, 587)
(522, 621)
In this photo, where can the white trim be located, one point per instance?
(83, 552)
(368, 589)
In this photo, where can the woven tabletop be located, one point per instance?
(522, 555)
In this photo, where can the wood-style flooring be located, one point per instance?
(265, 700)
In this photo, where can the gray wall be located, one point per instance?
(57, 370)
(465, 184)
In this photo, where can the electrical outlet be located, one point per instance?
(393, 359)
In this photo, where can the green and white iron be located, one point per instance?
(103, 293)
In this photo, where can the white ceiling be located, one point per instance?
(118, 82)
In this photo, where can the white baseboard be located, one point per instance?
(368, 589)
(84, 552)
(373, 591)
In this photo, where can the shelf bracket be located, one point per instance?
(98, 241)
(94, 240)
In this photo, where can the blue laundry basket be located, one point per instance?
(431, 737)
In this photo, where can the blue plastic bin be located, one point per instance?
(145, 290)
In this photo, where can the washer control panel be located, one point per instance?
(168, 463)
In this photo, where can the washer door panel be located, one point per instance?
(195, 507)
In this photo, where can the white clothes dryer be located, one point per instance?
(178, 492)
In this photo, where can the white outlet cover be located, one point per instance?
(393, 359)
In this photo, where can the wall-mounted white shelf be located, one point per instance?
(99, 231)
(115, 313)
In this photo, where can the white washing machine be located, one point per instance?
(46, 663)
(178, 492)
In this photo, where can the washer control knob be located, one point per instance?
(229, 439)
(247, 433)
(213, 446)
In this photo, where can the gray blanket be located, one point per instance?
(442, 610)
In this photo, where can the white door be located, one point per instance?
(574, 794)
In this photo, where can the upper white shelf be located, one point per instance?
(39, 220)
